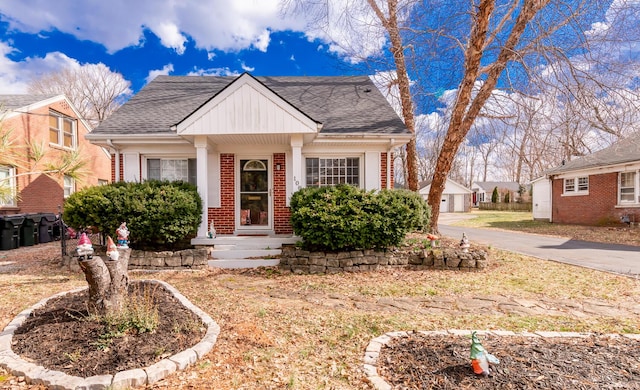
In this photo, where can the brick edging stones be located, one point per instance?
(58, 380)
(372, 352)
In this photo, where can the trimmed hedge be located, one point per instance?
(159, 214)
(345, 217)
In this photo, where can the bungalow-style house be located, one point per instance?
(54, 124)
(248, 142)
(482, 190)
(456, 198)
(599, 188)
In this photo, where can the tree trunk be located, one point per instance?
(108, 282)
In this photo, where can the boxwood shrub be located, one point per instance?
(159, 214)
(345, 217)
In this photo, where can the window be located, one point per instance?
(322, 172)
(62, 130)
(172, 169)
(576, 185)
(627, 187)
(7, 186)
(69, 186)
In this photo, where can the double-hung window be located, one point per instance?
(172, 169)
(628, 188)
(576, 185)
(62, 130)
(322, 172)
(7, 186)
(69, 186)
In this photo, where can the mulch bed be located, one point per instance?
(442, 362)
(62, 336)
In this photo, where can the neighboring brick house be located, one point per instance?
(52, 122)
(249, 142)
(601, 188)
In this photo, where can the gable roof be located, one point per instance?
(451, 187)
(15, 104)
(623, 151)
(343, 105)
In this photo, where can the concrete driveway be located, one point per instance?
(619, 259)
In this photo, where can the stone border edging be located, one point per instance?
(57, 380)
(372, 352)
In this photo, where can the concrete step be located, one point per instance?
(246, 242)
(232, 253)
(243, 263)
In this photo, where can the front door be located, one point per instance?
(254, 193)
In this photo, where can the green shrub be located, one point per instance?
(495, 196)
(159, 214)
(345, 217)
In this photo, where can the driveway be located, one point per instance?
(620, 259)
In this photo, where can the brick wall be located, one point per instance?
(224, 217)
(41, 193)
(383, 170)
(392, 173)
(594, 209)
(282, 213)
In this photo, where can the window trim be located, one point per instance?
(61, 119)
(636, 189)
(11, 174)
(191, 162)
(575, 186)
(71, 186)
(359, 157)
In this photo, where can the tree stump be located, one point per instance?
(108, 282)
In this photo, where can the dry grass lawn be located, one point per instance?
(523, 222)
(309, 332)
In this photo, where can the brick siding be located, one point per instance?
(224, 217)
(596, 208)
(282, 213)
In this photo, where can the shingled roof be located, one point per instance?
(344, 105)
(625, 150)
(14, 102)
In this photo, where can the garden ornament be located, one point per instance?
(112, 251)
(84, 248)
(433, 239)
(123, 235)
(464, 243)
(480, 358)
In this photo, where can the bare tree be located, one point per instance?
(93, 89)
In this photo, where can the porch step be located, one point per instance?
(247, 251)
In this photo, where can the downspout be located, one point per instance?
(117, 157)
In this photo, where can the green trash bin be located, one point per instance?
(26, 231)
(10, 231)
(47, 224)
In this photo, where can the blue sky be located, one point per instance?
(154, 37)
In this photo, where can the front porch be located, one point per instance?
(244, 251)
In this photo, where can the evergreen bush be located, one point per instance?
(495, 196)
(345, 217)
(159, 214)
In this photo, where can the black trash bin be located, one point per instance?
(47, 223)
(26, 231)
(36, 226)
(10, 231)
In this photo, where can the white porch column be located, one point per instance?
(297, 177)
(200, 142)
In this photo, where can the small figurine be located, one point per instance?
(123, 235)
(433, 240)
(85, 248)
(480, 358)
(112, 251)
(212, 230)
(464, 243)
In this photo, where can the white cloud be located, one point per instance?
(158, 72)
(16, 76)
(213, 72)
(246, 67)
(213, 24)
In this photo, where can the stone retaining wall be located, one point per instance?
(184, 259)
(304, 262)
